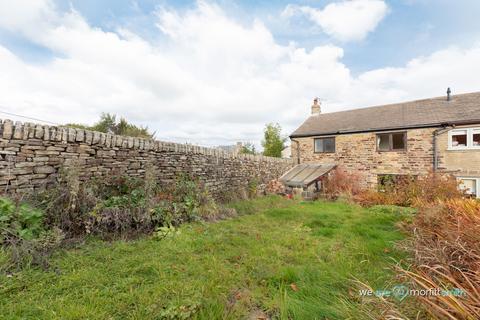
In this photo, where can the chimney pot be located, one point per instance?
(316, 110)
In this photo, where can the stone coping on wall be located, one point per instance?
(10, 130)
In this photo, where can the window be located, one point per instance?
(396, 141)
(324, 145)
(461, 139)
(471, 186)
(476, 138)
(391, 181)
(383, 142)
(385, 181)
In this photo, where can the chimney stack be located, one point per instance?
(316, 107)
(448, 93)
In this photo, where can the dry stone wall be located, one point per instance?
(31, 156)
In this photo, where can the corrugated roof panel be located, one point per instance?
(305, 174)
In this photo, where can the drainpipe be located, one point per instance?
(435, 147)
(298, 149)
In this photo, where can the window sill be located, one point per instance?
(464, 149)
(389, 151)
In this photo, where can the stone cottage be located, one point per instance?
(412, 138)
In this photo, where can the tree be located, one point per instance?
(108, 124)
(248, 148)
(273, 143)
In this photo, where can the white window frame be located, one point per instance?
(470, 132)
(477, 185)
(475, 131)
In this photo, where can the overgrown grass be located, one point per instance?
(290, 261)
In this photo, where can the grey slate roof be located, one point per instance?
(432, 112)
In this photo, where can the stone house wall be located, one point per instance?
(357, 153)
(31, 156)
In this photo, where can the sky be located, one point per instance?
(215, 72)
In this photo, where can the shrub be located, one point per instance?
(127, 208)
(413, 191)
(187, 200)
(113, 205)
(341, 182)
(68, 203)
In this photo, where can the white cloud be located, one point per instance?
(347, 20)
(26, 16)
(212, 81)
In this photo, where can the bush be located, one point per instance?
(181, 202)
(413, 191)
(114, 205)
(341, 182)
(142, 208)
(126, 207)
(68, 203)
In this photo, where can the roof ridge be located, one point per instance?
(403, 102)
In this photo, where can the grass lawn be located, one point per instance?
(289, 260)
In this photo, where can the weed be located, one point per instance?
(252, 188)
(164, 232)
(19, 222)
(23, 237)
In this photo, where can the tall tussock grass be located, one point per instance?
(446, 250)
